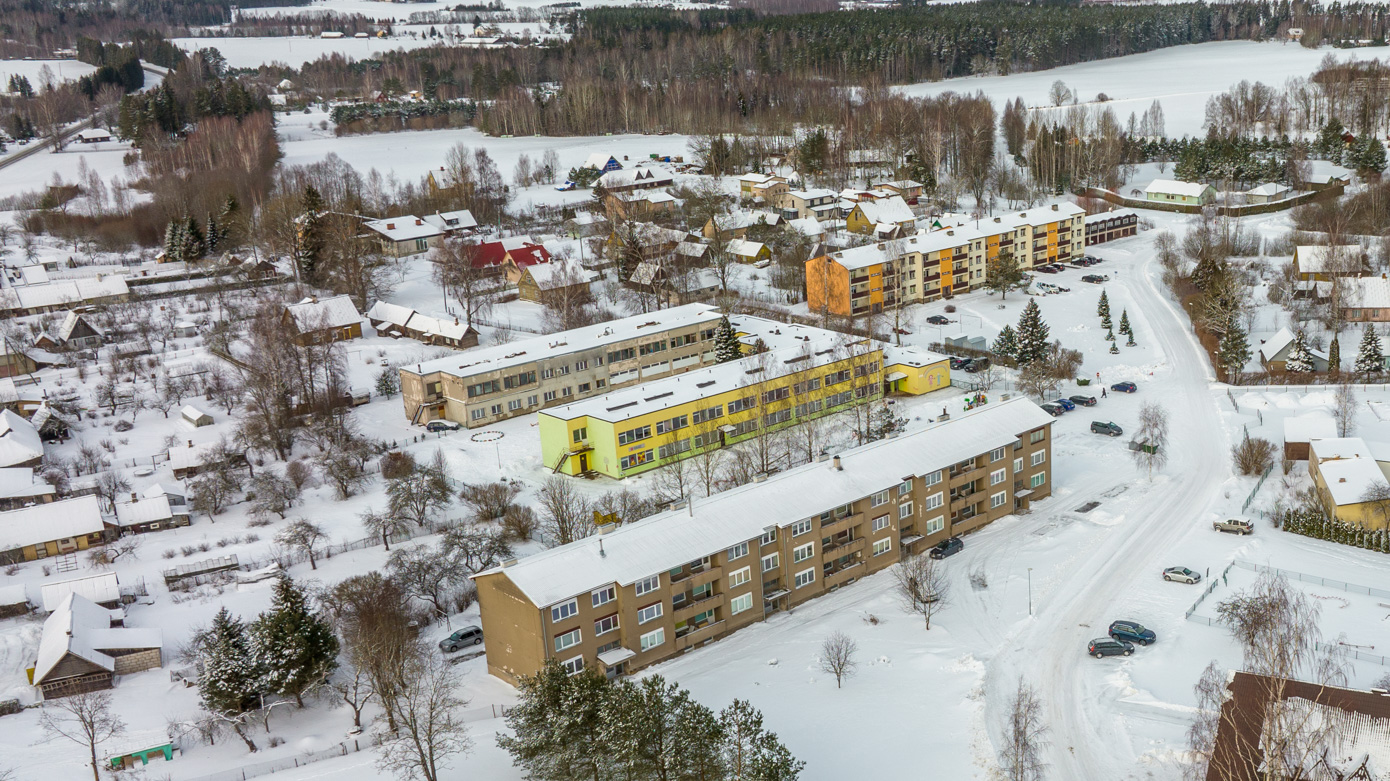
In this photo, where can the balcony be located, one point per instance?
(844, 575)
(698, 574)
(698, 636)
(684, 612)
(964, 515)
(840, 551)
(831, 528)
(964, 492)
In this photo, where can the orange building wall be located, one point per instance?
(827, 286)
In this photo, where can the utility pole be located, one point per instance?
(1030, 591)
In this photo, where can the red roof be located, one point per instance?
(530, 255)
(493, 253)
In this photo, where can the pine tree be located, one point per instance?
(751, 752)
(726, 344)
(173, 241)
(556, 725)
(1234, 351)
(1006, 345)
(1110, 335)
(192, 235)
(1370, 360)
(1114, 349)
(1130, 341)
(213, 235)
(1334, 356)
(309, 235)
(295, 648)
(1032, 335)
(1300, 360)
(1124, 323)
(1103, 308)
(230, 680)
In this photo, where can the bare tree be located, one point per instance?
(922, 586)
(490, 501)
(1021, 756)
(425, 573)
(372, 614)
(1201, 735)
(473, 287)
(1344, 409)
(422, 492)
(354, 688)
(565, 512)
(275, 495)
(429, 728)
(1377, 495)
(837, 656)
(473, 550)
(303, 536)
(383, 525)
(85, 719)
(111, 485)
(1151, 450)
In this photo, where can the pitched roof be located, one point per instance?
(19, 440)
(892, 210)
(745, 249)
(561, 273)
(598, 161)
(451, 221)
(1173, 187)
(17, 482)
(628, 177)
(67, 630)
(812, 194)
(1282, 341)
(334, 312)
(104, 587)
(744, 219)
(670, 539)
(1365, 292)
(388, 313)
(147, 510)
(70, 324)
(1269, 189)
(494, 253)
(76, 517)
(807, 226)
(407, 227)
(63, 292)
(1314, 259)
(191, 412)
(529, 255)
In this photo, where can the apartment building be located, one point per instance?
(819, 203)
(480, 387)
(646, 591)
(940, 263)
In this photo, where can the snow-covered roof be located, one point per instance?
(757, 178)
(1283, 339)
(446, 327)
(668, 540)
(1174, 187)
(62, 292)
(1347, 479)
(404, 228)
(650, 196)
(910, 355)
(147, 510)
(96, 588)
(1269, 189)
(560, 273)
(598, 161)
(1314, 259)
(892, 210)
(19, 440)
(83, 628)
(812, 194)
(689, 249)
(95, 134)
(190, 412)
(629, 177)
(1365, 292)
(744, 219)
(184, 456)
(461, 219)
(387, 312)
(745, 249)
(333, 312)
(18, 482)
(862, 257)
(1309, 426)
(588, 218)
(14, 594)
(808, 226)
(526, 351)
(1340, 448)
(1110, 215)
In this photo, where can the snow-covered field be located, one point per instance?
(1181, 78)
(378, 10)
(294, 52)
(62, 70)
(36, 171)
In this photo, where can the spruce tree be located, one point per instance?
(1114, 349)
(1334, 356)
(1300, 360)
(1370, 360)
(295, 647)
(309, 236)
(1032, 335)
(726, 344)
(751, 752)
(1130, 342)
(1006, 345)
(1124, 323)
(1110, 335)
(1234, 351)
(173, 241)
(230, 680)
(1103, 308)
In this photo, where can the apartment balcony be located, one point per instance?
(840, 551)
(698, 636)
(964, 515)
(843, 575)
(964, 492)
(685, 611)
(698, 575)
(835, 527)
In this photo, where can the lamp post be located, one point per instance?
(1030, 591)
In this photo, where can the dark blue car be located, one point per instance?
(1132, 631)
(1124, 387)
(1066, 404)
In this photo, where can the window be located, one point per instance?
(648, 585)
(567, 391)
(738, 551)
(805, 577)
(564, 610)
(634, 435)
(496, 409)
(636, 459)
(740, 603)
(801, 527)
(803, 552)
(667, 426)
(880, 523)
(484, 388)
(567, 640)
(996, 454)
(1038, 457)
(932, 502)
(653, 639)
(997, 500)
(931, 479)
(879, 498)
(997, 476)
(904, 510)
(1037, 436)
(604, 595)
(776, 394)
(1037, 480)
(936, 524)
(518, 380)
(739, 405)
(581, 433)
(649, 613)
(550, 395)
(573, 666)
(605, 625)
(883, 546)
(600, 384)
(739, 578)
(769, 536)
(562, 370)
(780, 416)
(580, 366)
(702, 415)
(622, 355)
(584, 387)
(904, 488)
(770, 562)
(673, 449)
(514, 405)
(478, 414)
(547, 373)
(1018, 465)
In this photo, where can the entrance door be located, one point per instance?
(583, 462)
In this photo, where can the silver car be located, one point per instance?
(1182, 575)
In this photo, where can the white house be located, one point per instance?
(1268, 192)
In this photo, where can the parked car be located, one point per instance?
(469, 635)
(1182, 575)
(567, 186)
(939, 320)
(947, 548)
(442, 425)
(958, 364)
(1233, 526)
(1095, 279)
(1124, 387)
(976, 365)
(1052, 409)
(1066, 404)
(1108, 429)
(1045, 269)
(1083, 401)
(1104, 646)
(1131, 631)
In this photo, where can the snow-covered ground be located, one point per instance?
(295, 51)
(382, 11)
(62, 70)
(35, 172)
(1181, 78)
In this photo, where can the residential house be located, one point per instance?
(333, 319)
(20, 443)
(767, 187)
(405, 235)
(1343, 470)
(14, 600)
(883, 218)
(484, 386)
(690, 253)
(1323, 263)
(455, 223)
(639, 204)
(16, 359)
(653, 241)
(1185, 193)
(52, 529)
(187, 460)
(1274, 353)
(601, 162)
(748, 251)
(520, 253)
(909, 189)
(394, 320)
(1111, 225)
(585, 224)
(810, 227)
(83, 649)
(678, 286)
(93, 135)
(20, 488)
(1268, 192)
(735, 225)
(1365, 299)
(822, 204)
(561, 280)
(61, 295)
(648, 590)
(152, 513)
(644, 178)
(442, 183)
(1300, 430)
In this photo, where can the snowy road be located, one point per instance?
(1087, 739)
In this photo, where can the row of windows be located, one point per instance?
(634, 435)
(739, 405)
(667, 426)
(712, 413)
(635, 460)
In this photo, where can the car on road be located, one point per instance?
(441, 425)
(469, 635)
(1066, 404)
(1105, 646)
(1083, 401)
(1095, 279)
(1106, 428)
(1182, 575)
(1124, 387)
(1055, 410)
(1132, 632)
(1234, 526)
(939, 320)
(947, 548)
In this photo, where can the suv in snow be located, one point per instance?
(1084, 401)
(1104, 646)
(441, 425)
(947, 548)
(1053, 409)
(1131, 631)
(1108, 429)
(1233, 526)
(469, 635)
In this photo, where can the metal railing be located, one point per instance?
(1256, 489)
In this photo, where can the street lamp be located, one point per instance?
(1030, 591)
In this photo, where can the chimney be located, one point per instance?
(1341, 479)
(133, 498)
(422, 222)
(1054, 207)
(836, 462)
(390, 226)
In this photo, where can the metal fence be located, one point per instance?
(1350, 588)
(1256, 489)
(1206, 592)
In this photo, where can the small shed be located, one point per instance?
(128, 759)
(14, 600)
(103, 589)
(1299, 430)
(195, 417)
(184, 329)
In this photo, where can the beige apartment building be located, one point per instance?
(480, 387)
(646, 591)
